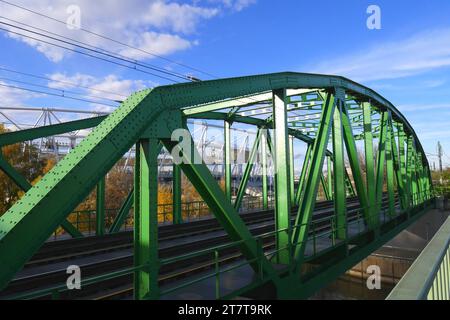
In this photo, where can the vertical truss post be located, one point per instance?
(176, 195)
(339, 198)
(301, 182)
(227, 158)
(146, 220)
(369, 159)
(207, 187)
(291, 170)
(329, 178)
(413, 160)
(265, 193)
(410, 170)
(247, 171)
(402, 166)
(419, 177)
(381, 159)
(308, 201)
(390, 167)
(354, 164)
(282, 183)
(396, 164)
(100, 208)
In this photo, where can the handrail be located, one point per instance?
(428, 277)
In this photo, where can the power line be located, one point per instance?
(55, 95)
(111, 39)
(60, 81)
(87, 54)
(63, 91)
(99, 51)
(95, 48)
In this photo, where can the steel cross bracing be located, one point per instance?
(332, 117)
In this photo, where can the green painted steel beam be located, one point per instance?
(264, 164)
(390, 169)
(248, 169)
(369, 158)
(47, 131)
(303, 173)
(337, 267)
(410, 170)
(15, 176)
(69, 182)
(176, 195)
(348, 184)
(78, 173)
(353, 158)
(325, 187)
(304, 214)
(226, 117)
(242, 101)
(291, 171)
(402, 165)
(397, 169)
(227, 159)
(381, 159)
(123, 213)
(100, 208)
(23, 184)
(282, 177)
(145, 234)
(330, 177)
(251, 121)
(339, 176)
(207, 187)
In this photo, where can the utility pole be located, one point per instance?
(440, 154)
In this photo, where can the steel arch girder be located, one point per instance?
(72, 178)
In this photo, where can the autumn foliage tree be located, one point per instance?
(26, 160)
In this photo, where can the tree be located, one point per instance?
(25, 158)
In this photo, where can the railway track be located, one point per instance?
(119, 246)
(66, 249)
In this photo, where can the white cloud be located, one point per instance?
(62, 81)
(109, 87)
(153, 25)
(236, 5)
(157, 43)
(112, 83)
(12, 97)
(417, 54)
(181, 18)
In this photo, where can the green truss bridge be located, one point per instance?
(360, 152)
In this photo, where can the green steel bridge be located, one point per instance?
(333, 118)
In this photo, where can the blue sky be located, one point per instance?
(407, 61)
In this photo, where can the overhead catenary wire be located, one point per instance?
(73, 84)
(133, 63)
(96, 48)
(55, 95)
(85, 53)
(63, 91)
(111, 39)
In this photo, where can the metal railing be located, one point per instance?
(219, 260)
(429, 276)
(85, 220)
